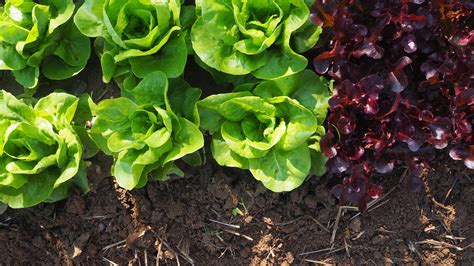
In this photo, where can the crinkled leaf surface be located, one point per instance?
(242, 37)
(40, 152)
(272, 128)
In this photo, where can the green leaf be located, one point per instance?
(151, 90)
(40, 153)
(36, 190)
(107, 63)
(59, 105)
(301, 123)
(27, 77)
(306, 37)
(55, 68)
(209, 109)
(186, 141)
(88, 18)
(112, 115)
(318, 163)
(75, 48)
(145, 139)
(10, 59)
(64, 10)
(215, 47)
(15, 110)
(126, 171)
(183, 99)
(225, 156)
(309, 89)
(85, 110)
(89, 146)
(282, 170)
(242, 37)
(170, 59)
(273, 128)
(41, 35)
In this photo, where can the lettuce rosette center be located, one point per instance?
(135, 37)
(146, 133)
(260, 37)
(38, 35)
(272, 128)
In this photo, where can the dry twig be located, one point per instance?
(347, 248)
(414, 250)
(450, 190)
(313, 252)
(439, 244)
(226, 224)
(319, 262)
(319, 223)
(109, 261)
(238, 234)
(114, 245)
(158, 254)
(336, 225)
(375, 201)
(289, 222)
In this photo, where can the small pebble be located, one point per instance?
(355, 225)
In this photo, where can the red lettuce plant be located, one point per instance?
(404, 80)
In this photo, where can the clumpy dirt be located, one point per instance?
(222, 216)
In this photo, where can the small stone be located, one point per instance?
(445, 251)
(78, 245)
(290, 258)
(230, 203)
(3, 208)
(101, 227)
(248, 219)
(355, 225)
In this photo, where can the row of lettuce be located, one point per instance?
(134, 38)
(270, 124)
(271, 128)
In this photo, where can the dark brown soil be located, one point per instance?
(179, 221)
(222, 216)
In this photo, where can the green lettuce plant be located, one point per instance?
(272, 128)
(137, 36)
(261, 37)
(40, 35)
(41, 153)
(148, 131)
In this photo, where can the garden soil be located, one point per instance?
(223, 216)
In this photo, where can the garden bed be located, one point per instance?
(386, 177)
